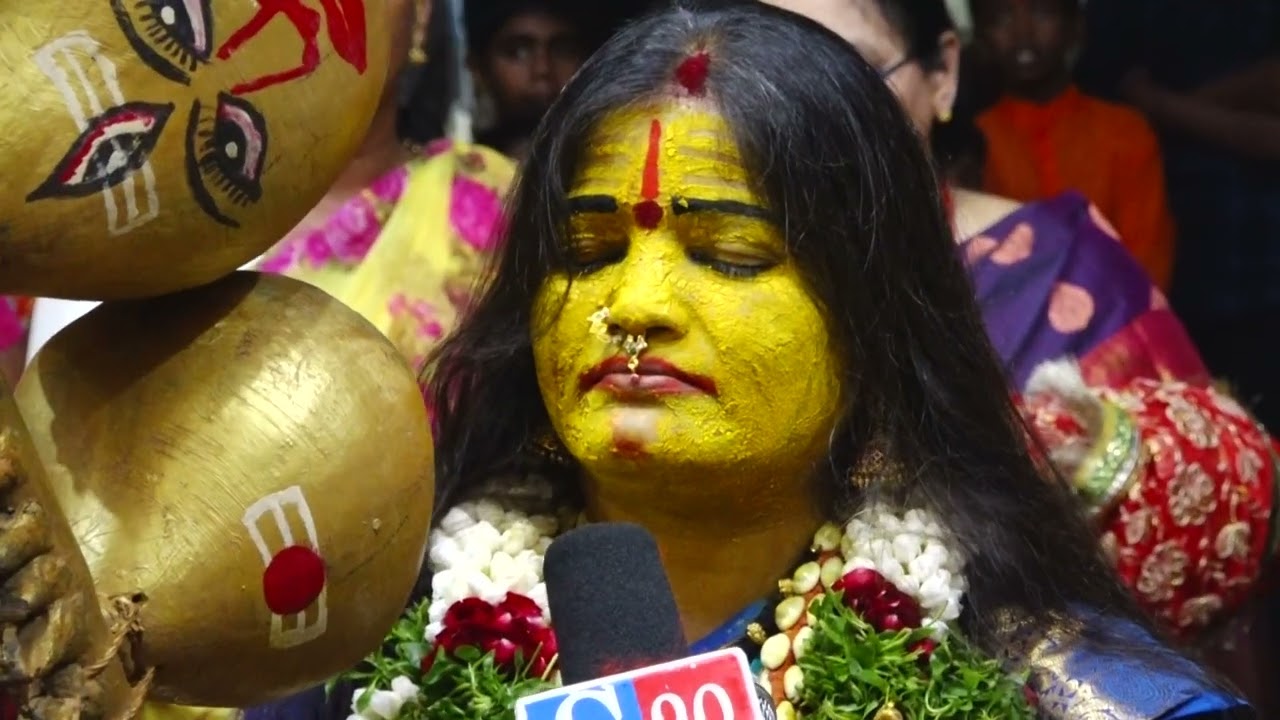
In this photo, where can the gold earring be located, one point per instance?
(418, 43)
(876, 466)
(944, 116)
(547, 447)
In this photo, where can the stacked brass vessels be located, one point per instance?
(217, 484)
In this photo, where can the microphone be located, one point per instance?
(611, 602)
(622, 649)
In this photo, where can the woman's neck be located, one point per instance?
(975, 212)
(720, 555)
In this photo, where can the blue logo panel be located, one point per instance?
(608, 701)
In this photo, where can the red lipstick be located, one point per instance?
(653, 376)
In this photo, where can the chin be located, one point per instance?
(622, 439)
(664, 464)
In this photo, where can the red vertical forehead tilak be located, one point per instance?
(649, 182)
(647, 212)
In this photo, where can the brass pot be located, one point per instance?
(159, 148)
(249, 460)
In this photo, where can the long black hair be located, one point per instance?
(835, 156)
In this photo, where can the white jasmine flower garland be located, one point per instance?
(483, 552)
(914, 553)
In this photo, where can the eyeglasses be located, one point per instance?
(886, 72)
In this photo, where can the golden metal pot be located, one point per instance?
(160, 145)
(250, 459)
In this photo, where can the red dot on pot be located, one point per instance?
(293, 580)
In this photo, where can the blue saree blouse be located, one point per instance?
(1077, 678)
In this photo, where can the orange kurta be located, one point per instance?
(1075, 142)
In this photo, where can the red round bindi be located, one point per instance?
(647, 214)
(691, 73)
(293, 580)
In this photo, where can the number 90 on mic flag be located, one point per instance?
(714, 686)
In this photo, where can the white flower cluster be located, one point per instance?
(384, 704)
(915, 553)
(479, 550)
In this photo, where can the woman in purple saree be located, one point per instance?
(1053, 282)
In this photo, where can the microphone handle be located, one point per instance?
(767, 709)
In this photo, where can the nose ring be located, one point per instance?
(630, 345)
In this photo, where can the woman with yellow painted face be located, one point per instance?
(727, 309)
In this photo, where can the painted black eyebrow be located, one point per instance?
(682, 205)
(593, 204)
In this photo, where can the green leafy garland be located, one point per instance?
(853, 672)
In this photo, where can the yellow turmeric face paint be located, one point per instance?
(668, 235)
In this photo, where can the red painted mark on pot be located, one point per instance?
(344, 19)
(293, 580)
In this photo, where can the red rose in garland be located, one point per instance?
(514, 627)
(878, 601)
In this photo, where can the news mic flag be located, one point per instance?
(712, 686)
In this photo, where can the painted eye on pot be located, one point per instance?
(112, 145)
(226, 149)
(172, 37)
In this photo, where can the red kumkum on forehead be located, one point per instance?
(648, 213)
(691, 73)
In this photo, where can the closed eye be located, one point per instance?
(586, 257)
(731, 264)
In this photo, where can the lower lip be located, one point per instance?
(626, 384)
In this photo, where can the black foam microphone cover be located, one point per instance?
(611, 602)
